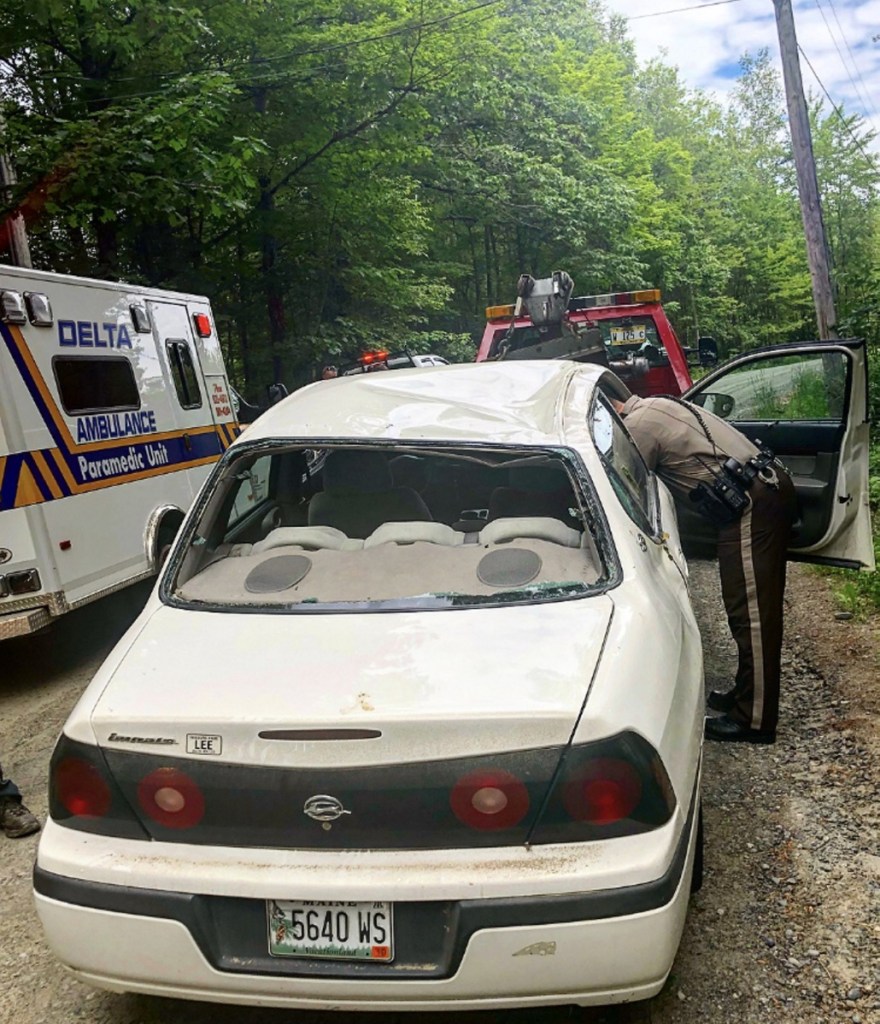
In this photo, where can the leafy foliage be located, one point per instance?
(338, 175)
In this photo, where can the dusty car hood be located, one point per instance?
(431, 684)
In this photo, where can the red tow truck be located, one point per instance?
(629, 332)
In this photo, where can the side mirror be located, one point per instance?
(708, 351)
(275, 393)
(715, 402)
(244, 411)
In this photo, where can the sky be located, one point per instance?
(706, 44)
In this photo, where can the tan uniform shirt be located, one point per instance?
(674, 444)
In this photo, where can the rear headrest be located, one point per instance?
(362, 472)
(538, 478)
(409, 471)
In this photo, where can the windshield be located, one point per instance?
(294, 529)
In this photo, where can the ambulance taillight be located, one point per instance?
(202, 324)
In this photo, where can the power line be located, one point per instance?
(871, 159)
(269, 76)
(680, 10)
(843, 62)
(409, 27)
(866, 94)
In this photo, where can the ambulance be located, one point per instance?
(114, 405)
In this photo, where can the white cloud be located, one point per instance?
(707, 44)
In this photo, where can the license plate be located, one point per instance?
(628, 335)
(331, 930)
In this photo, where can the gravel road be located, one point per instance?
(785, 931)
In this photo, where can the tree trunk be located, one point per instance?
(107, 241)
(487, 255)
(475, 264)
(272, 291)
(269, 255)
(79, 261)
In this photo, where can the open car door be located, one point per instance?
(808, 402)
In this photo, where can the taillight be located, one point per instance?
(489, 800)
(84, 795)
(81, 789)
(606, 788)
(602, 791)
(171, 798)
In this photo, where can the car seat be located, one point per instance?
(535, 491)
(359, 495)
(409, 471)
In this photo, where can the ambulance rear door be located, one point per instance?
(24, 543)
(197, 443)
(214, 372)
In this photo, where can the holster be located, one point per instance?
(722, 503)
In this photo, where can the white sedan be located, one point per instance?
(413, 719)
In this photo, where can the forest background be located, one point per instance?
(342, 174)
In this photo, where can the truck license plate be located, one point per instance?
(635, 335)
(336, 930)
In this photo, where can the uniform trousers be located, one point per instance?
(751, 559)
(8, 787)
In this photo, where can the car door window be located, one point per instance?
(626, 469)
(253, 490)
(807, 402)
(806, 386)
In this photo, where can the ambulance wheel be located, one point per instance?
(165, 541)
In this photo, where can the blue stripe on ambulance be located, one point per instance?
(111, 465)
(33, 390)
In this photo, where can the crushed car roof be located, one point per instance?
(521, 402)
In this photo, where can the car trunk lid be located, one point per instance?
(346, 690)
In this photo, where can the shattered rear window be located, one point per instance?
(292, 529)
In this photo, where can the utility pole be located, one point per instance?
(805, 165)
(12, 230)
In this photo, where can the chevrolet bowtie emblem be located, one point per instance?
(324, 808)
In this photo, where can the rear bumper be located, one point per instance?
(22, 623)
(597, 947)
(616, 960)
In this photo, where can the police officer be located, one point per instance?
(713, 468)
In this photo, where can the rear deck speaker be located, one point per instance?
(512, 567)
(278, 573)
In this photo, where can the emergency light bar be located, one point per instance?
(587, 302)
(372, 357)
(615, 299)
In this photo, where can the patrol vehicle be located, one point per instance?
(114, 404)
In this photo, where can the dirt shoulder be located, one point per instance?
(787, 925)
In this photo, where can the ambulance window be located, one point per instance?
(95, 384)
(186, 381)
